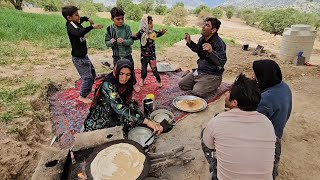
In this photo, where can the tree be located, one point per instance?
(177, 16)
(51, 5)
(99, 7)
(160, 8)
(17, 4)
(123, 4)
(134, 12)
(181, 4)
(276, 21)
(229, 13)
(88, 9)
(251, 16)
(202, 16)
(217, 13)
(147, 5)
(200, 8)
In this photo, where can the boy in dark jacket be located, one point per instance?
(147, 36)
(80, 59)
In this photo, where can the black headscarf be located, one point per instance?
(124, 90)
(268, 73)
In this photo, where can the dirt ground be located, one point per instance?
(20, 153)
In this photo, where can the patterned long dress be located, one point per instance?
(112, 110)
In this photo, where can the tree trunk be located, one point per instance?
(17, 4)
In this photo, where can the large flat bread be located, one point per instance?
(190, 104)
(118, 162)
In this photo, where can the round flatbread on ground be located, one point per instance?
(118, 162)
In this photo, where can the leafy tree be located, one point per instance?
(177, 17)
(123, 4)
(200, 8)
(229, 13)
(88, 9)
(17, 4)
(181, 4)
(99, 7)
(217, 13)
(147, 5)
(134, 12)
(202, 16)
(160, 7)
(52, 5)
(251, 16)
(276, 21)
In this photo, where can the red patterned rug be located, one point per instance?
(68, 113)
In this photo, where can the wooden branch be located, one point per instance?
(166, 154)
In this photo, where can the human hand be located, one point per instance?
(134, 35)
(91, 22)
(120, 40)
(187, 37)
(97, 26)
(163, 31)
(112, 40)
(157, 128)
(207, 47)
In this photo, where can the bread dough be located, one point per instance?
(190, 104)
(118, 162)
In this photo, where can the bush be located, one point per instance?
(160, 9)
(177, 17)
(251, 16)
(217, 13)
(202, 16)
(99, 7)
(201, 8)
(229, 14)
(88, 9)
(134, 12)
(124, 4)
(277, 20)
(52, 5)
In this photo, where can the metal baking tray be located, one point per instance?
(189, 97)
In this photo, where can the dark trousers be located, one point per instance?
(144, 65)
(86, 72)
(129, 57)
(201, 85)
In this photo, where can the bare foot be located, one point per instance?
(84, 100)
(141, 83)
(136, 88)
(159, 84)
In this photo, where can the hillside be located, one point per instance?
(304, 5)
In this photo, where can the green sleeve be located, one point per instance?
(129, 115)
(128, 41)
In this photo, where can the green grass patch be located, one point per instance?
(9, 52)
(49, 30)
(14, 100)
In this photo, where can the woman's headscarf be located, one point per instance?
(268, 73)
(144, 26)
(124, 90)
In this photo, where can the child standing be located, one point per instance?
(147, 38)
(118, 37)
(80, 59)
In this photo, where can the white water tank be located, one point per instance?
(299, 37)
